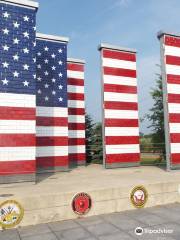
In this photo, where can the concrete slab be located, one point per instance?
(49, 200)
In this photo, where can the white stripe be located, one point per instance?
(121, 131)
(172, 69)
(174, 107)
(75, 89)
(76, 119)
(52, 151)
(76, 134)
(172, 51)
(76, 149)
(175, 147)
(75, 74)
(51, 131)
(76, 103)
(17, 100)
(120, 97)
(126, 148)
(51, 111)
(119, 80)
(173, 88)
(174, 127)
(121, 114)
(17, 153)
(17, 126)
(115, 63)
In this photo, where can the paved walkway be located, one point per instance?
(117, 226)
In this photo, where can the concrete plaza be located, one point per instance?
(115, 226)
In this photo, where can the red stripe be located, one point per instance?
(17, 113)
(172, 41)
(51, 121)
(173, 60)
(119, 55)
(17, 167)
(44, 162)
(75, 67)
(17, 140)
(121, 105)
(77, 157)
(173, 98)
(171, 78)
(121, 122)
(174, 117)
(52, 141)
(119, 72)
(75, 81)
(122, 140)
(175, 158)
(175, 137)
(119, 88)
(75, 96)
(76, 126)
(122, 158)
(76, 111)
(76, 141)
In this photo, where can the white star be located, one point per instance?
(39, 66)
(53, 92)
(39, 79)
(26, 83)
(39, 53)
(60, 50)
(5, 31)
(60, 62)
(39, 91)
(26, 18)
(53, 55)
(46, 61)
(26, 34)
(16, 74)
(60, 99)
(26, 67)
(60, 87)
(53, 68)
(6, 15)
(34, 76)
(34, 60)
(16, 57)
(5, 81)
(25, 50)
(46, 73)
(15, 41)
(46, 85)
(53, 80)
(46, 49)
(46, 98)
(60, 75)
(5, 47)
(34, 28)
(5, 64)
(16, 24)
(34, 44)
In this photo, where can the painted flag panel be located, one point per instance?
(17, 90)
(120, 107)
(170, 63)
(51, 101)
(76, 111)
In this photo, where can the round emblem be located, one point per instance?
(81, 203)
(11, 213)
(139, 196)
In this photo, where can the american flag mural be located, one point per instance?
(76, 111)
(170, 62)
(120, 107)
(51, 110)
(17, 90)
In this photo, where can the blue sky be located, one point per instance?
(127, 23)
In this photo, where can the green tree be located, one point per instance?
(97, 144)
(89, 131)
